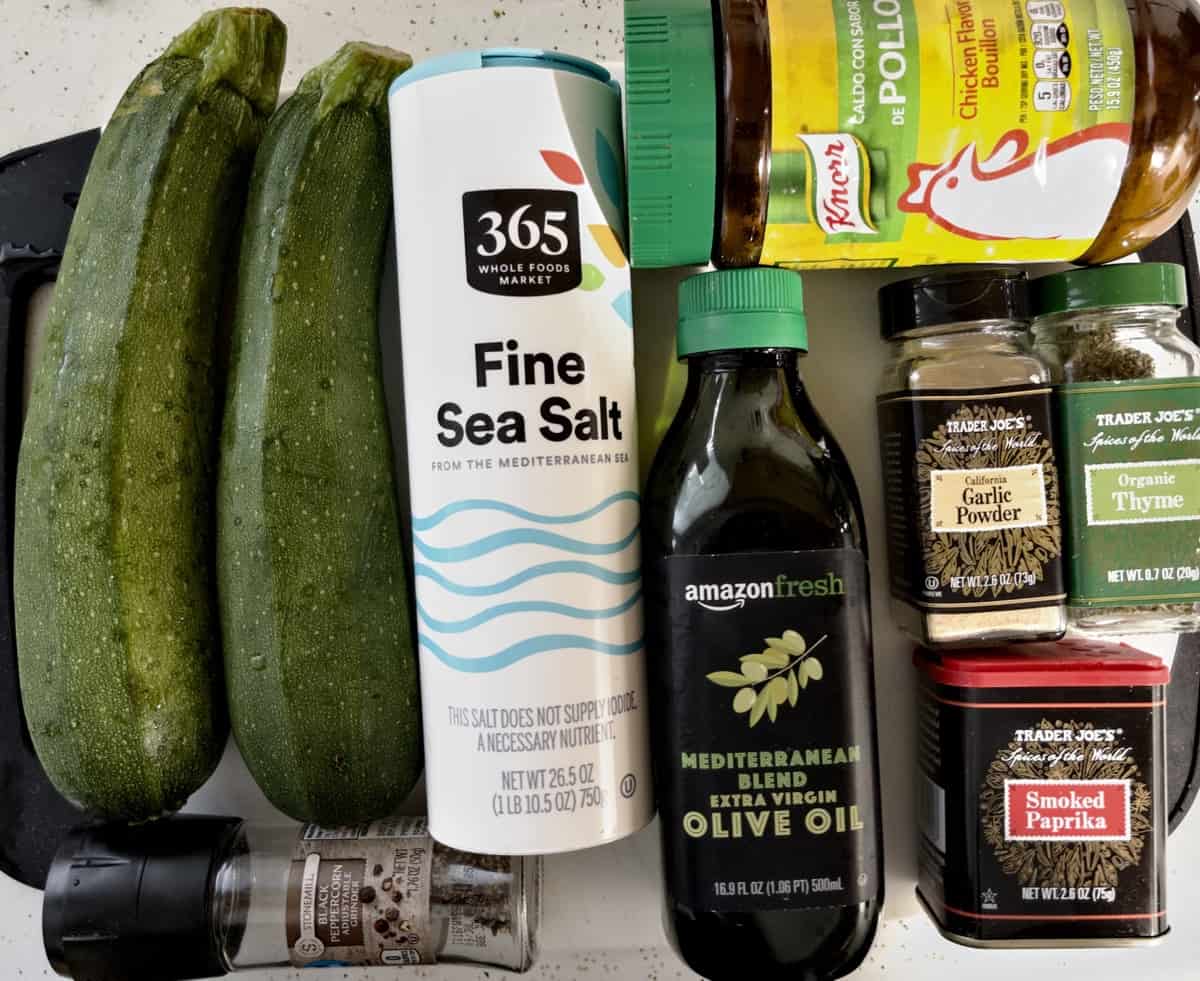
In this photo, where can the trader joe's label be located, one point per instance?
(768, 748)
(1048, 810)
(972, 494)
(1131, 459)
(913, 131)
(360, 895)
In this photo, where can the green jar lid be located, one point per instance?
(734, 309)
(1126, 284)
(671, 131)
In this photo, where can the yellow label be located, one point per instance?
(908, 132)
(987, 499)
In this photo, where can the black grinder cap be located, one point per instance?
(936, 299)
(134, 903)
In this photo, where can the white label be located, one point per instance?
(357, 896)
(931, 803)
(308, 947)
(1050, 35)
(1052, 97)
(397, 827)
(1046, 10)
(837, 182)
(1051, 64)
(522, 452)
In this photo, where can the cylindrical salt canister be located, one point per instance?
(522, 450)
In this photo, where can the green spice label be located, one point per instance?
(1131, 457)
(765, 734)
(1129, 493)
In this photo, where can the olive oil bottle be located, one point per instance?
(760, 653)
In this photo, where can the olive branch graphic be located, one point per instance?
(772, 676)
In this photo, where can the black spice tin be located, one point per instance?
(1043, 817)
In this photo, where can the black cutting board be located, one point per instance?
(1183, 696)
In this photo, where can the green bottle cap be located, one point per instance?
(1123, 285)
(733, 309)
(671, 131)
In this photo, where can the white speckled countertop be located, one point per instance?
(66, 62)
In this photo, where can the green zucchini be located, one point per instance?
(319, 661)
(113, 571)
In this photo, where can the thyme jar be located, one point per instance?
(971, 486)
(1128, 400)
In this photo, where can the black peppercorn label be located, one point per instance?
(1131, 460)
(972, 495)
(765, 731)
(360, 896)
(1042, 812)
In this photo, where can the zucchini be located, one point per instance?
(319, 660)
(113, 572)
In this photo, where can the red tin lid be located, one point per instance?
(1071, 663)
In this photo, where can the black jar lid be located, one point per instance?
(134, 903)
(937, 299)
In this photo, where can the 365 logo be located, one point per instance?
(522, 241)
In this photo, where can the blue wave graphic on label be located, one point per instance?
(531, 605)
(520, 536)
(487, 504)
(526, 648)
(423, 571)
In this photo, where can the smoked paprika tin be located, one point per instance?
(1042, 789)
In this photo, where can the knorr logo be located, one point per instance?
(720, 597)
(839, 180)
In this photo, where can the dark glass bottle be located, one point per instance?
(743, 131)
(746, 483)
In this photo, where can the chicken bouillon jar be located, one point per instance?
(908, 132)
(971, 487)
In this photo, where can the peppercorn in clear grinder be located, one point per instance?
(195, 897)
